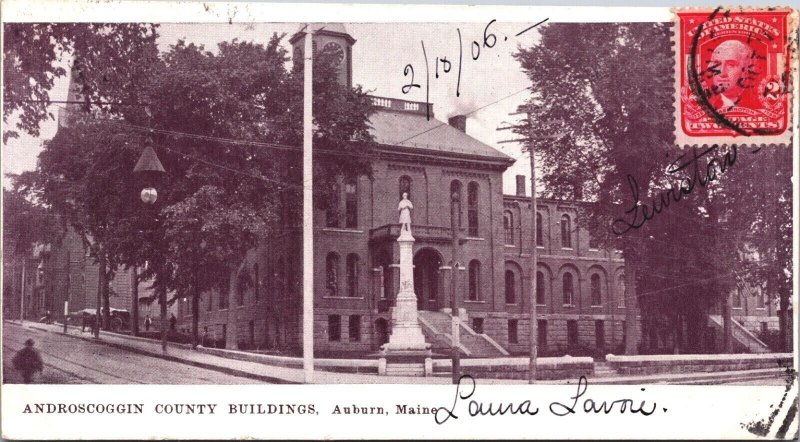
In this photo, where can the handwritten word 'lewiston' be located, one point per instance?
(466, 390)
(701, 172)
(444, 65)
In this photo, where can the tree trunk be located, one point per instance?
(196, 312)
(631, 337)
(134, 302)
(727, 326)
(162, 300)
(105, 292)
(783, 321)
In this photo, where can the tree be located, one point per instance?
(110, 59)
(226, 126)
(608, 87)
(576, 74)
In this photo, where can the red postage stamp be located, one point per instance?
(733, 75)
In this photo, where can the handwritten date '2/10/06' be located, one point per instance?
(443, 65)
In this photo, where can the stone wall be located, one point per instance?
(643, 365)
(517, 368)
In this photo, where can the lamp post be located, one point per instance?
(149, 168)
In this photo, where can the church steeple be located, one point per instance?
(332, 37)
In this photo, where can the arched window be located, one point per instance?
(596, 294)
(474, 279)
(472, 208)
(455, 201)
(511, 289)
(405, 186)
(566, 232)
(352, 275)
(567, 287)
(539, 230)
(623, 291)
(350, 203)
(332, 274)
(332, 211)
(508, 226)
(540, 300)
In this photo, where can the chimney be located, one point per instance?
(521, 185)
(459, 122)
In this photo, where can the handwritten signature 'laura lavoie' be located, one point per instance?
(465, 390)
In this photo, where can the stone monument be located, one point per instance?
(406, 353)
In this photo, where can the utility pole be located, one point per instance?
(455, 322)
(308, 223)
(101, 277)
(534, 325)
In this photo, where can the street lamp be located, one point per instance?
(149, 168)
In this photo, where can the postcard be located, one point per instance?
(294, 221)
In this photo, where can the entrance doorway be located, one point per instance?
(426, 279)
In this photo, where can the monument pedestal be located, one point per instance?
(406, 353)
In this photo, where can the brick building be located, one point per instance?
(580, 287)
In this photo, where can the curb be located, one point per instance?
(168, 357)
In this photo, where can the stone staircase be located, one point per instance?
(437, 329)
(603, 370)
(742, 337)
(405, 369)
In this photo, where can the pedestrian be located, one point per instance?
(48, 318)
(28, 361)
(172, 321)
(147, 323)
(83, 322)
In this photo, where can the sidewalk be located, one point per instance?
(268, 373)
(183, 353)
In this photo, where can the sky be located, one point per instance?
(492, 83)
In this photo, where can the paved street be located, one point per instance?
(75, 361)
(121, 360)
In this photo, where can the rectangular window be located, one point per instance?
(541, 325)
(572, 333)
(599, 334)
(224, 335)
(223, 294)
(334, 328)
(513, 338)
(477, 325)
(760, 301)
(354, 328)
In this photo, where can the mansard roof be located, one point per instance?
(402, 123)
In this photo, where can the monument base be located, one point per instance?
(397, 362)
